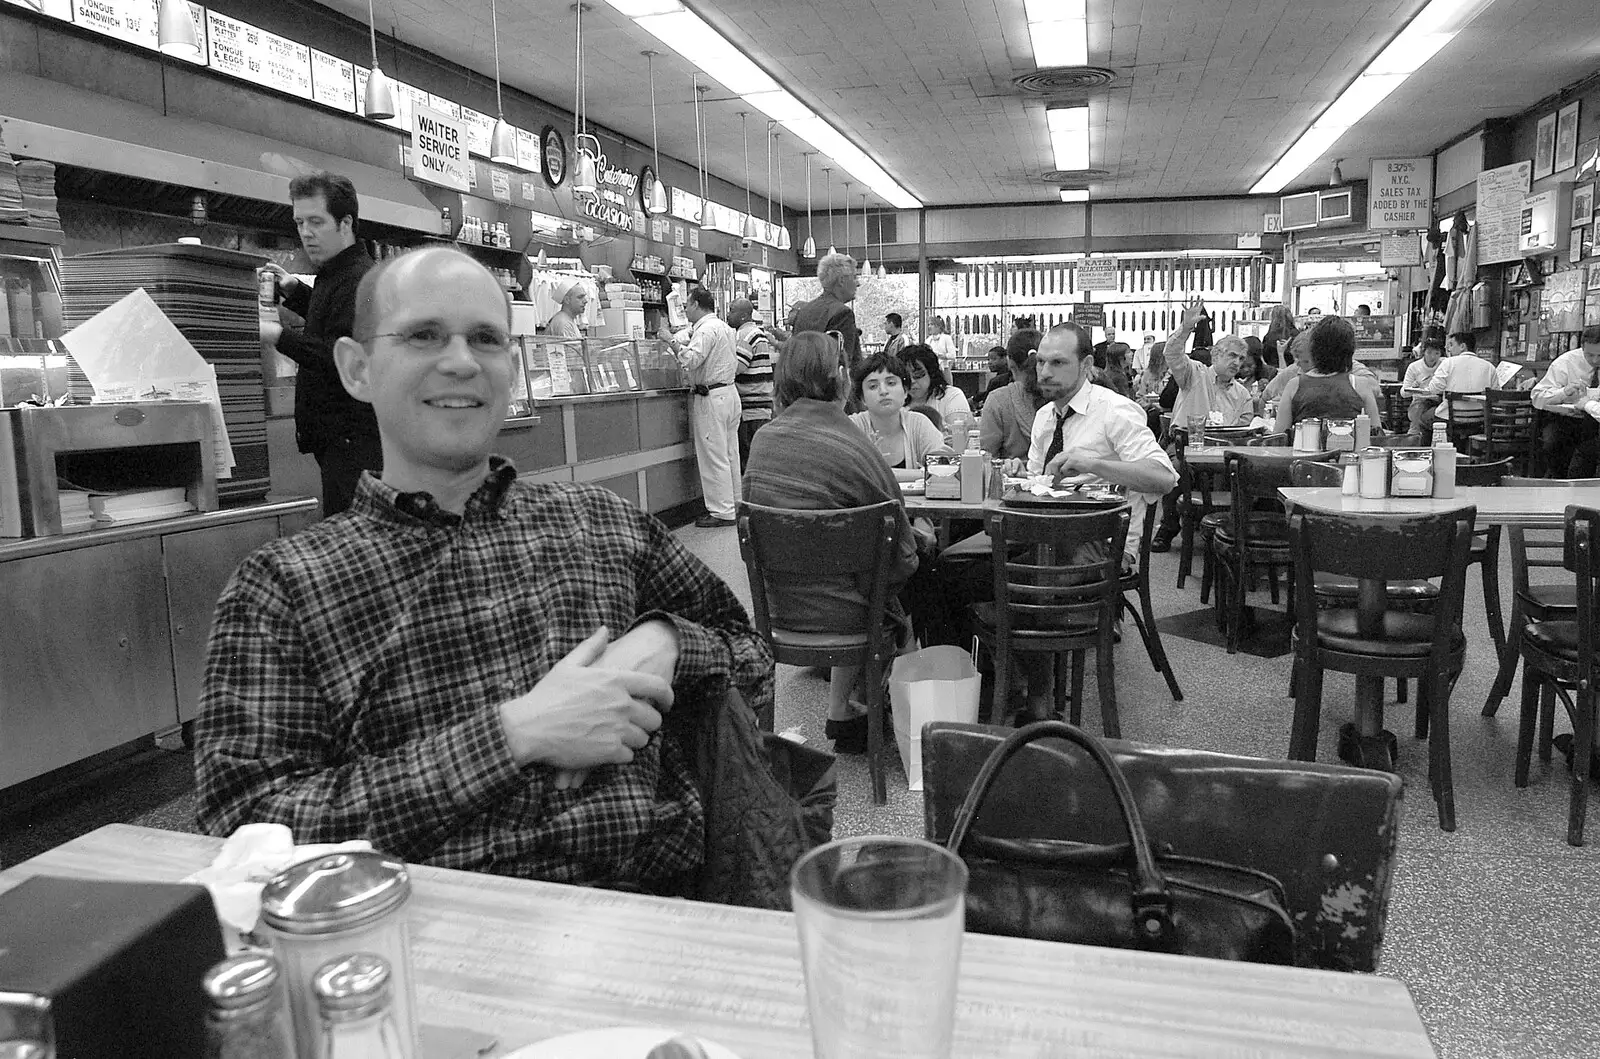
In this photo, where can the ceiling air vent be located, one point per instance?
(1055, 80)
(1075, 176)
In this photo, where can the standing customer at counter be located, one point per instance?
(712, 361)
(1569, 437)
(754, 381)
(436, 669)
(830, 311)
(337, 430)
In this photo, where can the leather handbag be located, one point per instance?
(1119, 895)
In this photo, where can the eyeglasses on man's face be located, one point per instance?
(432, 338)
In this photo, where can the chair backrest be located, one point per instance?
(779, 544)
(1396, 407)
(1532, 549)
(1399, 441)
(1326, 832)
(1256, 480)
(1582, 537)
(1316, 474)
(1484, 473)
(1508, 420)
(1464, 407)
(1067, 572)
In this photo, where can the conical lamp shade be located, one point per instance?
(883, 273)
(379, 102)
(658, 198)
(750, 229)
(503, 143)
(809, 251)
(178, 36)
(585, 179)
(866, 268)
(832, 249)
(785, 241)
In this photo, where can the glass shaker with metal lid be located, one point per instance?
(247, 1016)
(356, 1017)
(27, 1027)
(333, 906)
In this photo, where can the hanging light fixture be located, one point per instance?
(827, 171)
(503, 141)
(847, 184)
(866, 243)
(809, 250)
(586, 173)
(700, 142)
(767, 232)
(658, 192)
(177, 35)
(883, 268)
(378, 103)
(747, 231)
(785, 241)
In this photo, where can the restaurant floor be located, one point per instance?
(1494, 928)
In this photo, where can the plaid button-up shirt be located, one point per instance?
(355, 672)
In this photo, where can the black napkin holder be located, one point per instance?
(119, 964)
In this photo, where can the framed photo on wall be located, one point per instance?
(1582, 204)
(1567, 136)
(1544, 147)
(1589, 158)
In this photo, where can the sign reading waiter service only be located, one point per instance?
(439, 149)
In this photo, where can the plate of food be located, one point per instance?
(1091, 499)
(624, 1042)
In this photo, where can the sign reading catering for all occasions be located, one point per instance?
(1096, 273)
(1499, 211)
(1400, 193)
(439, 149)
(333, 82)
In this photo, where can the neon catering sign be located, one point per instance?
(612, 202)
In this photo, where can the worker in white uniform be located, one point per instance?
(710, 357)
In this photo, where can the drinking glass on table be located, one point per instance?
(880, 922)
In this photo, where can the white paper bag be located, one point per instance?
(933, 684)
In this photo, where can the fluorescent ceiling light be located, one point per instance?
(1059, 32)
(1022, 259)
(1420, 40)
(1069, 136)
(1074, 194)
(693, 38)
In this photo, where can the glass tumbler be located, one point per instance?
(880, 922)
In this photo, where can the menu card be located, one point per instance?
(1499, 211)
(333, 82)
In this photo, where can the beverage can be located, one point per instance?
(267, 286)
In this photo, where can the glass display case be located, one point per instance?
(33, 363)
(577, 367)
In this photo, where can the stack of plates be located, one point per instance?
(210, 295)
(38, 183)
(11, 208)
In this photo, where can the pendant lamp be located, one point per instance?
(866, 244)
(658, 193)
(827, 171)
(378, 104)
(847, 245)
(503, 141)
(747, 231)
(585, 174)
(177, 35)
(883, 268)
(785, 241)
(809, 250)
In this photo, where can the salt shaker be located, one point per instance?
(354, 1011)
(247, 1018)
(330, 907)
(1350, 483)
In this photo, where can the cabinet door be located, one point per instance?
(84, 658)
(198, 564)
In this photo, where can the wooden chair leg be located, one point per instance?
(1105, 669)
(1547, 722)
(1424, 707)
(1444, 791)
(1208, 567)
(1491, 589)
(1582, 751)
(1000, 705)
(1186, 529)
(1526, 721)
(1152, 638)
(1307, 709)
(1077, 688)
(1510, 653)
(1400, 693)
(1236, 597)
(875, 704)
(1060, 681)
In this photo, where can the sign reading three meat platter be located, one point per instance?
(439, 149)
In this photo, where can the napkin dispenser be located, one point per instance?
(113, 968)
(942, 475)
(1341, 435)
(1412, 473)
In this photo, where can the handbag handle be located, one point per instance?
(1152, 905)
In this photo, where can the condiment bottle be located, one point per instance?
(356, 1019)
(1444, 463)
(1363, 431)
(1375, 473)
(973, 464)
(332, 906)
(1350, 483)
(248, 1018)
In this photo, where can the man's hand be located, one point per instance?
(651, 648)
(271, 331)
(1014, 468)
(286, 281)
(1069, 462)
(1192, 314)
(584, 713)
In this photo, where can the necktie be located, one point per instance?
(1055, 441)
(1594, 378)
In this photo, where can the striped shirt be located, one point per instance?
(754, 381)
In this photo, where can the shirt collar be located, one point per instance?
(1079, 403)
(378, 500)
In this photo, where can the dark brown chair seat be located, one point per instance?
(823, 640)
(1556, 637)
(1405, 634)
(1345, 588)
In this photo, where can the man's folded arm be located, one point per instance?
(266, 750)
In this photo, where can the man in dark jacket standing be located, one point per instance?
(831, 310)
(335, 428)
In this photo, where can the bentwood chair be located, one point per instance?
(1057, 592)
(1507, 428)
(1559, 655)
(1137, 583)
(1485, 553)
(782, 547)
(1465, 412)
(1395, 407)
(1253, 536)
(1374, 640)
(1197, 502)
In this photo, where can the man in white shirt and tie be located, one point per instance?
(1569, 397)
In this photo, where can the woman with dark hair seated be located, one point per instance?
(902, 437)
(1114, 376)
(929, 385)
(810, 457)
(1255, 368)
(1326, 391)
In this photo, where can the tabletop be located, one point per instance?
(1211, 457)
(1498, 505)
(528, 960)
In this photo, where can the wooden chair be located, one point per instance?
(1465, 417)
(1374, 640)
(1534, 549)
(1137, 582)
(781, 546)
(1326, 832)
(1485, 551)
(1253, 536)
(1559, 655)
(1059, 595)
(1507, 428)
(1198, 502)
(1395, 407)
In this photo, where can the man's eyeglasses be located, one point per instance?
(428, 338)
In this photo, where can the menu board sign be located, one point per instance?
(527, 150)
(439, 150)
(61, 9)
(134, 21)
(286, 65)
(333, 82)
(1400, 193)
(252, 54)
(1499, 211)
(480, 129)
